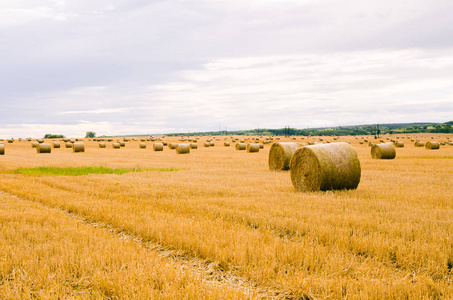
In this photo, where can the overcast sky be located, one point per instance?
(149, 66)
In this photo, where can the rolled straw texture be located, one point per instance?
(253, 148)
(206, 144)
(43, 148)
(116, 145)
(432, 145)
(383, 151)
(193, 146)
(183, 148)
(324, 167)
(172, 145)
(2, 149)
(280, 154)
(68, 145)
(399, 144)
(78, 147)
(419, 144)
(241, 146)
(142, 146)
(102, 145)
(34, 144)
(56, 144)
(158, 147)
(226, 144)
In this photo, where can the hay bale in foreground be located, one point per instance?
(78, 147)
(56, 144)
(253, 148)
(102, 145)
(324, 167)
(142, 146)
(280, 155)
(241, 146)
(34, 144)
(116, 145)
(432, 145)
(183, 148)
(172, 145)
(43, 148)
(383, 151)
(2, 149)
(158, 147)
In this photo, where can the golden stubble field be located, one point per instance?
(222, 226)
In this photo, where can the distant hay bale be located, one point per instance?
(280, 155)
(56, 144)
(211, 144)
(193, 146)
(241, 146)
(2, 149)
(43, 148)
(172, 145)
(324, 167)
(116, 145)
(78, 147)
(226, 144)
(183, 148)
(122, 144)
(361, 142)
(261, 145)
(34, 144)
(206, 144)
(102, 145)
(142, 146)
(164, 143)
(252, 147)
(399, 144)
(68, 145)
(383, 151)
(419, 144)
(158, 147)
(432, 145)
(370, 143)
(10, 141)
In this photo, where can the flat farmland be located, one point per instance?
(217, 224)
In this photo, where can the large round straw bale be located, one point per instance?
(211, 144)
(419, 144)
(172, 145)
(40, 141)
(158, 147)
(43, 148)
(78, 147)
(68, 145)
(206, 144)
(252, 147)
(241, 146)
(325, 167)
(226, 144)
(34, 144)
(102, 145)
(399, 144)
(193, 146)
(56, 144)
(432, 145)
(142, 146)
(280, 155)
(183, 148)
(164, 143)
(116, 145)
(2, 149)
(383, 151)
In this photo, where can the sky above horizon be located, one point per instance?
(154, 67)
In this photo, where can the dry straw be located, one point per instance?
(280, 155)
(172, 145)
(142, 146)
(116, 145)
(43, 148)
(253, 148)
(432, 145)
(211, 144)
(206, 144)
(34, 144)
(226, 144)
(383, 151)
(78, 147)
(68, 145)
(193, 146)
(241, 146)
(158, 147)
(183, 148)
(102, 145)
(419, 144)
(56, 144)
(399, 144)
(2, 149)
(324, 167)
(122, 144)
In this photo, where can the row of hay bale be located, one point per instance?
(47, 148)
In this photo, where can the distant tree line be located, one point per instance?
(53, 136)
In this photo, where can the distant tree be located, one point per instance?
(53, 136)
(90, 134)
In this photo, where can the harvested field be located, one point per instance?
(218, 224)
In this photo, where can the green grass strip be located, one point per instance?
(79, 171)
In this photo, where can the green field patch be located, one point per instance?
(79, 171)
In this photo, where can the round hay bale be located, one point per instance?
(383, 151)
(43, 148)
(158, 147)
(252, 147)
(68, 145)
(261, 145)
(172, 145)
(164, 143)
(56, 144)
(122, 144)
(324, 167)
(280, 155)
(2, 149)
(206, 144)
(10, 141)
(183, 148)
(116, 145)
(78, 147)
(399, 144)
(193, 146)
(419, 144)
(432, 145)
(241, 146)
(34, 144)
(211, 144)
(226, 144)
(40, 141)
(142, 146)
(102, 145)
